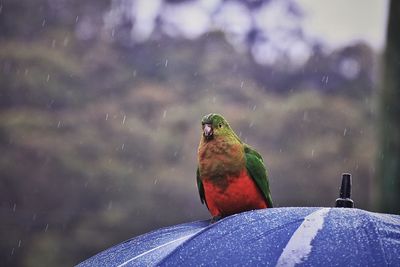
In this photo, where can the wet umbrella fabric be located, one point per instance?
(269, 237)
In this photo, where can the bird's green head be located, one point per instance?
(214, 125)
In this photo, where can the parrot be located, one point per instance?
(231, 175)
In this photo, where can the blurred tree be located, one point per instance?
(390, 112)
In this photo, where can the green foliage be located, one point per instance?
(37, 75)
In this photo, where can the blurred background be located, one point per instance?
(101, 102)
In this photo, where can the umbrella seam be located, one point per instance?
(195, 235)
(379, 240)
(157, 230)
(158, 247)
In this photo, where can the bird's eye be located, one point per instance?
(220, 125)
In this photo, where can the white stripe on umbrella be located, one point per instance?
(299, 246)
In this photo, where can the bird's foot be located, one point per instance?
(216, 218)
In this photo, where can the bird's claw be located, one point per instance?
(215, 219)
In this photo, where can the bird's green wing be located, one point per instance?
(200, 187)
(256, 169)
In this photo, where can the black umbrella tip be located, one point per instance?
(344, 200)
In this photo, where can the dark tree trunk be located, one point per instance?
(389, 173)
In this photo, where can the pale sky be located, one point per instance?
(342, 21)
(335, 23)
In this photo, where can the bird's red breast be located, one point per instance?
(240, 193)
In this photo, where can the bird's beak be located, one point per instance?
(208, 131)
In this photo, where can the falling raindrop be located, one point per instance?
(305, 116)
(155, 181)
(242, 84)
(76, 19)
(254, 107)
(66, 41)
(312, 152)
(123, 146)
(164, 114)
(12, 251)
(48, 78)
(106, 116)
(14, 207)
(166, 63)
(134, 73)
(47, 228)
(59, 124)
(19, 243)
(43, 22)
(344, 131)
(123, 120)
(325, 79)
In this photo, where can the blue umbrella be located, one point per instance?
(269, 237)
